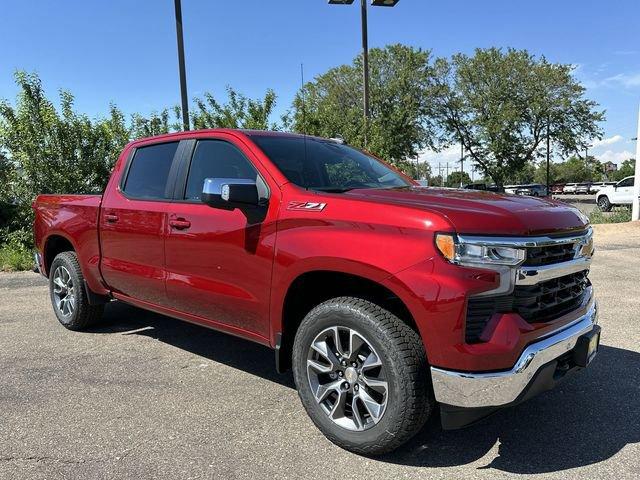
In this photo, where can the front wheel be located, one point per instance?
(68, 296)
(604, 204)
(362, 375)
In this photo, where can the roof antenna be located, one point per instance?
(304, 114)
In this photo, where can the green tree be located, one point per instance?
(436, 181)
(577, 169)
(157, 123)
(400, 125)
(238, 111)
(499, 104)
(418, 171)
(51, 150)
(456, 179)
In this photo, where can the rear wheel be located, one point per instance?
(362, 375)
(68, 295)
(604, 204)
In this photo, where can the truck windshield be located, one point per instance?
(326, 165)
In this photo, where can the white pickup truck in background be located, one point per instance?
(618, 194)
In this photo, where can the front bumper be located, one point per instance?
(502, 388)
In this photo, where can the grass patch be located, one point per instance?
(15, 257)
(617, 215)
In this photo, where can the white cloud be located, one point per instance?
(615, 157)
(625, 79)
(449, 154)
(608, 141)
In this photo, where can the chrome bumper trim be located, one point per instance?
(496, 389)
(535, 275)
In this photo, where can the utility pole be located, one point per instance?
(586, 157)
(181, 66)
(447, 171)
(635, 206)
(365, 65)
(461, 162)
(548, 153)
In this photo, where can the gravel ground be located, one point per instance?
(145, 396)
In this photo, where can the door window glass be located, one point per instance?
(149, 171)
(218, 159)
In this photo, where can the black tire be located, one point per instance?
(83, 315)
(604, 204)
(410, 398)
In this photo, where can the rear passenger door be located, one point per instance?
(133, 223)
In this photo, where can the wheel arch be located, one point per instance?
(55, 244)
(311, 288)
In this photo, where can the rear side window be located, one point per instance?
(149, 171)
(217, 159)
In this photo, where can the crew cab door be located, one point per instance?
(219, 261)
(133, 223)
(623, 191)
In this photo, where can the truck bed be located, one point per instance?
(72, 219)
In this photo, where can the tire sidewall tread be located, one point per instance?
(84, 314)
(405, 364)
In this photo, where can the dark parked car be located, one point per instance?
(533, 190)
(557, 189)
(484, 186)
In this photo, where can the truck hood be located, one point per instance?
(486, 213)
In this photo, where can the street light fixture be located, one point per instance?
(365, 49)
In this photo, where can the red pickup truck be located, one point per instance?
(385, 298)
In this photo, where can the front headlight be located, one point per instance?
(470, 252)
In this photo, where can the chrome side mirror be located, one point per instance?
(229, 192)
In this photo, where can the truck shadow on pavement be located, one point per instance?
(219, 347)
(587, 419)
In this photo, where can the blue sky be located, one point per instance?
(125, 51)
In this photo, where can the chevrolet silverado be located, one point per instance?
(386, 299)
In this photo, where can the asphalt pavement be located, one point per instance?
(144, 396)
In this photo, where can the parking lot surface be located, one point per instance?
(144, 396)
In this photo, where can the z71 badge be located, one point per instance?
(307, 206)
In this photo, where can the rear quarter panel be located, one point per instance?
(75, 218)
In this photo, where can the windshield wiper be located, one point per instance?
(332, 189)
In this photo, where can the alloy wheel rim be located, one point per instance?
(347, 378)
(64, 292)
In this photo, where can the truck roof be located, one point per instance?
(248, 132)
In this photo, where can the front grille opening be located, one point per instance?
(539, 303)
(538, 256)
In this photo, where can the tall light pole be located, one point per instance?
(183, 73)
(365, 50)
(461, 162)
(635, 205)
(548, 155)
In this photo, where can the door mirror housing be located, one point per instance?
(230, 192)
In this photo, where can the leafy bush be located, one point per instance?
(617, 215)
(15, 256)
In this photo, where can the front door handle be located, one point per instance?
(111, 218)
(180, 224)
